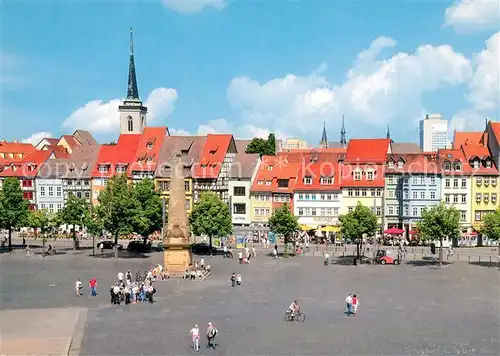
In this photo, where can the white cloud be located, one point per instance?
(473, 15)
(36, 137)
(194, 6)
(179, 132)
(99, 116)
(484, 88)
(221, 126)
(375, 92)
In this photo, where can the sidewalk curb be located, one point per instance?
(75, 342)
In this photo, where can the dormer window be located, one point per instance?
(212, 152)
(268, 182)
(149, 160)
(326, 180)
(149, 145)
(85, 166)
(476, 164)
(357, 175)
(203, 165)
(457, 166)
(313, 159)
(260, 182)
(447, 165)
(121, 169)
(488, 163)
(308, 180)
(103, 168)
(269, 168)
(391, 164)
(184, 152)
(30, 168)
(401, 163)
(370, 175)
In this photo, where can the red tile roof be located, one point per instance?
(348, 175)
(16, 147)
(477, 151)
(146, 159)
(367, 150)
(326, 165)
(71, 141)
(413, 163)
(213, 154)
(459, 138)
(51, 141)
(452, 156)
(28, 167)
(495, 126)
(274, 168)
(59, 151)
(123, 153)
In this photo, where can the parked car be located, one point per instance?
(108, 245)
(387, 257)
(139, 246)
(203, 248)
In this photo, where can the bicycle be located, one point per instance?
(301, 317)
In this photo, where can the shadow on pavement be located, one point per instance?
(486, 264)
(121, 254)
(349, 261)
(427, 261)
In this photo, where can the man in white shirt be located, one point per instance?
(348, 301)
(120, 277)
(240, 257)
(327, 258)
(202, 263)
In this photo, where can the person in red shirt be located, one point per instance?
(355, 304)
(93, 286)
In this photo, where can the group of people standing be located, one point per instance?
(92, 287)
(352, 302)
(211, 334)
(129, 291)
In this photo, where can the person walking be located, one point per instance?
(327, 259)
(254, 253)
(275, 253)
(195, 336)
(233, 279)
(211, 333)
(93, 286)
(355, 304)
(28, 251)
(348, 301)
(78, 287)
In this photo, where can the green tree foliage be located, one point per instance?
(13, 207)
(491, 225)
(283, 222)
(439, 222)
(118, 210)
(358, 223)
(263, 147)
(74, 213)
(149, 217)
(41, 221)
(93, 223)
(211, 217)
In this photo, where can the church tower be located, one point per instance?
(343, 139)
(132, 112)
(324, 140)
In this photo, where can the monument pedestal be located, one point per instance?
(177, 257)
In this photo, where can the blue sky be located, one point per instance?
(250, 67)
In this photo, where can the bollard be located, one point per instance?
(469, 257)
(343, 253)
(490, 259)
(458, 257)
(479, 258)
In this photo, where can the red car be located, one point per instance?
(387, 257)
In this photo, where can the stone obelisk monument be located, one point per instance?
(177, 255)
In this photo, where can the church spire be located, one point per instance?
(132, 91)
(388, 133)
(343, 140)
(324, 139)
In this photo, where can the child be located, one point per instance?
(78, 287)
(355, 304)
(238, 279)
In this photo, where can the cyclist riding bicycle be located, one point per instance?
(294, 308)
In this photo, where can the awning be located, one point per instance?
(308, 227)
(330, 229)
(393, 231)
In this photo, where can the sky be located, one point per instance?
(250, 67)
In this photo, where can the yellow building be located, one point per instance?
(485, 197)
(260, 207)
(369, 197)
(163, 187)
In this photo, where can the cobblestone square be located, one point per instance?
(404, 310)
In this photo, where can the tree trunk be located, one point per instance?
(116, 244)
(43, 247)
(441, 251)
(74, 238)
(10, 238)
(210, 241)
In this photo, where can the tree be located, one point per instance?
(74, 213)
(439, 222)
(282, 222)
(357, 224)
(41, 222)
(117, 208)
(491, 225)
(150, 217)
(13, 207)
(262, 146)
(211, 217)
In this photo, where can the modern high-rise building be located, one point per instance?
(433, 133)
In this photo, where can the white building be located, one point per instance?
(320, 208)
(242, 173)
(49, 190)
(433, 133)
(456, 192)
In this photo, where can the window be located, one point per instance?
(455, 199)
(378, 211)
(301, 211)
(78, 182)
(268, 211)
(357, 175)
(120, 169)
(87, 195)
(422, 180)
(59, 191)
(478, 197)
(447, 166)
(103, 169)
(488, 163)
(390, 193)
(397, 209)
(282, 183)
(70, 182)
(268, 182)
(486, 182)
(457, 166)
(260, 182)
(356, 193)
(42, 206)
(476, 163)
(400, 163)
(239, 191)
(433, 180)
(415, 211)
(96, 194)
(390, 180)
(306, 197)
(479, 180)
(494, 182)
(322, 197)
(130, 124)
(313, 196)
(447, 198)
(477, 216)
(464, 183)
(369, 175)
(363, 192)
(51, 191)
(59, 207)
(379, 192)
(493, 197)
(372, 192)
(79, 195)
(86, 182)
(269, 168)
(42, 191)
(51, 208)
(391, 164)
(407, 194)
(464, 199)
(239, 209)
(433, 195)
(414, 180)
(187, 186)
(414, 195)
(455, 183)
(463, 215)
(447, 183)
(486, 197)
(391, 210)
(308, 180)
(301, 196)
(334, 196)
(326, 180)
(422, 195)
(351, 208)
(256, 211)
(406, 210)
(313, 212)
(350, 192)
